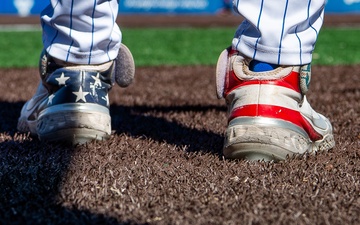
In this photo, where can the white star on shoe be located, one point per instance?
(80, 95)
(97, 80)
(62, 79)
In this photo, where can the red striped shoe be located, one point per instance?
(269, 117)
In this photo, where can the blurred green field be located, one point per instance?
(180, 46)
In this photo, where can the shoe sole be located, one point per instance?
(269, 139)
(74, 123)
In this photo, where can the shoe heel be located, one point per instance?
(74, 123)
(264, 139)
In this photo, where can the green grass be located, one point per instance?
(20, 49)
(337, 46)
(177, 46)
(180, 46)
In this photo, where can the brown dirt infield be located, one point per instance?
(163, 164)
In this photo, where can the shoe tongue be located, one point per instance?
(257, 66)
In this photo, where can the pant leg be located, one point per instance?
(281, 32)
(81, 31)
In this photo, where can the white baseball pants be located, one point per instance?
(274, 31)
(81, 31)
(282, 32)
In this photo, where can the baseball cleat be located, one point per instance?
(71, 103)
(269, 117)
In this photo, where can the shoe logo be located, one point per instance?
(106, 99)
(319, 122)
(96, 85)
(305, 77)
(50, 98)
(312, 116)
(316, 120)
(97, 80)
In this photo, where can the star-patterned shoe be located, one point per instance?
(269, 117)
(71, 103)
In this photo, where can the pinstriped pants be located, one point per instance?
(274, 31)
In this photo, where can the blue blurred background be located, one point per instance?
(34, 7)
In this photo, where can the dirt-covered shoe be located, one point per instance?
(71, 103)
(269, 117)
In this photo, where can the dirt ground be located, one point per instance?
(163, 163)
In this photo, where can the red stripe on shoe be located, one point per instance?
(290, 81)
(277, 112)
